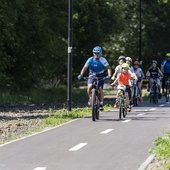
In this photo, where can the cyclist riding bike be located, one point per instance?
(154, 71)
(118, 69)
(96, 65)
(140, 75)
(124, 78)
(129, 61)
(165, 68)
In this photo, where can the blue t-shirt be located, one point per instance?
(96, 66)
(166, 67)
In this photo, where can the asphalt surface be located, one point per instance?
(107, 144)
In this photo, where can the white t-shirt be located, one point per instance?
(138, 72)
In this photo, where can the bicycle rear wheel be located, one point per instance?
(155, 95)
(94, 109)
(167, 93)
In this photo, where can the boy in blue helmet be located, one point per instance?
(97, 65)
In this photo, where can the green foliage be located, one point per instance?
(63, 116)
(33, 41)
(42, 95)
(162, 146)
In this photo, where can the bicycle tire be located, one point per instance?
(97, 111)
(155, 95)
(94, 110)
(167, 93)
(124, 111)
(134, 96)
(120, 108)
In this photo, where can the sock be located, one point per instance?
(101, 103)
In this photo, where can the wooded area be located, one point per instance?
(33, 37)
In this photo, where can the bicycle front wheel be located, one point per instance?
(120, 107)
(94, 110)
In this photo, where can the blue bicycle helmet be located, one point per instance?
(97, 49)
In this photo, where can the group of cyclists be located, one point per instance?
(125, 72)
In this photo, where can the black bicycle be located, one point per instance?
(122, 101)
(95, 104)
(135, 93)
(154, 91)
(167, 88)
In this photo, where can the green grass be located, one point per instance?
(162, 146)
(162, 150)
(41, 95)
(62, 116)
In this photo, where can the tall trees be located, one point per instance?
(33, 36)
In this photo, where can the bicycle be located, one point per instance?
(135, 93)
(167, 88)
(122, 101)
(95, 104)
(154, 91)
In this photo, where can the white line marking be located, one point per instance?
(77, 147)
(126, 121)
(107, 131)
(152, 109)
(161, 105)
(147, 162)
(141, 114)
(40, 168)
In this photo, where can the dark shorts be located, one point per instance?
(101, 82)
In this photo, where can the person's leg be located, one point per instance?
(116, 103)
(151, 84)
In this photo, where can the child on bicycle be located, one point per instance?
(154, 71)
(118, 69)
(124, 79)
(140, 75)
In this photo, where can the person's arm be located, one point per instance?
(83, 70)
(114, 74)
(160, 73)
(116, 79)
(148, 74)
(133, 75)
(109, 71)
(143, 75)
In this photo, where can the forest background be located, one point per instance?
(34, 34)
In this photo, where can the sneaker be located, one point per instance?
(101, 107)
(89, 102)
(128, 108)
(116, 105)
(141, 99)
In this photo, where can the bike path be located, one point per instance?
(107, 144)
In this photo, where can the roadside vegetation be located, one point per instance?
(53, 117)
(162, 152)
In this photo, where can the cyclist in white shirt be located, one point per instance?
(140, 75)
(129, 61)
(118, 69)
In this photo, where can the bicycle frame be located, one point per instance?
(122, 103)
(154, 90)
(95, 96)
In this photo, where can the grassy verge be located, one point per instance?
(162, 150)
